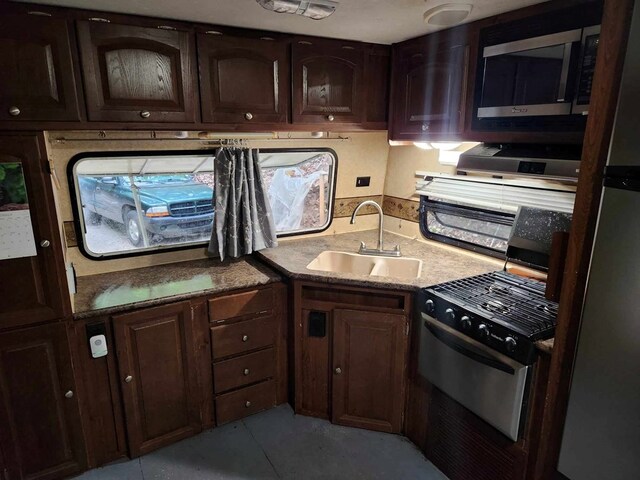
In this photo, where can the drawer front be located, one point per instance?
(241, 403)
(241, 337)
(243, 370)
(246, 303)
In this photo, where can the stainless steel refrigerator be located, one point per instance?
(601, 439)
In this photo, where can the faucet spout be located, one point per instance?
(380, 216)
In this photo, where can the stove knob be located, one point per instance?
(510, 344)
(465, 323)
(429, 306)
(483, 331)
(450, 314)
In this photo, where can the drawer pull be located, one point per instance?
(128, 379)
(248, 115)
(247, 404)
(338, 370)
(99, 19)
(213, 32)
(246, 372)
(166, 27)
(245, 338)
(38, 13)
(331, 118)
(145, 114)
(14, 111)
(69, 394)
(45, 243)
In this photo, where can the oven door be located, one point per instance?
(530, 77)
(486, 382)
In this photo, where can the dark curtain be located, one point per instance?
(243, 221)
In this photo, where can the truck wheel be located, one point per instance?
(132, 225)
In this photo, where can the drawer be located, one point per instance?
(244, 402)
(243, 370)
(247, 303)
(240, 337)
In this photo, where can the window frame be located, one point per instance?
(79, 220)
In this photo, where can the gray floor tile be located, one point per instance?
(129, 470)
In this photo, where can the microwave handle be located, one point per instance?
(564, 73)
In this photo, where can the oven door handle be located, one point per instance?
(467, 350)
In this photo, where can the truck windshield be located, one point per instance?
(173, 179)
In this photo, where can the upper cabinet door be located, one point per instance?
(243, 80)
(328, 83)
(430, 77)
(138, 74)
(37, 82)
(33, 289)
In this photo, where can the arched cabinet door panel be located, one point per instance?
(243, 80)
(37, 82)
(328, 83)
(138, 74)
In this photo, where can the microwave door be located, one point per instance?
(529, 77)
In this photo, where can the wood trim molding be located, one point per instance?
(616, 22)
(344, 207)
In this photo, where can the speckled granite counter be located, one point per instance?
(110, 293)
(440, 263)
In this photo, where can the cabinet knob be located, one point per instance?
(338, 370)
(331, 118)
(14, 111)
(247, 404)
(246, 371)
(128, 379)
(245, 338)
(45, 243)
(69, 394)
(425, 127)
(145, 114)
(248, 115)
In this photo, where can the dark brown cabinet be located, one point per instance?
(243, 79)
(369, 367)
(159, 382)
(377, 73)
(430, 76)
(40, 428)
(138, 74)
(33, 289)
(38, 70)
(328, 81)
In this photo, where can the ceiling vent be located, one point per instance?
(315, 9)
(447, 14)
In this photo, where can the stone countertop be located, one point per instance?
(110, 293)
(440, 263)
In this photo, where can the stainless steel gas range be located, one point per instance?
(477, 343)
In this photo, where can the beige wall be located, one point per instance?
(360, 154)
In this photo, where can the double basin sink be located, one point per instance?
(343, 262)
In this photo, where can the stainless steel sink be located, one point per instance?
(343, 262)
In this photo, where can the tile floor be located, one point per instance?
(278, 445)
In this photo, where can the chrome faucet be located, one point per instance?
(379, 250)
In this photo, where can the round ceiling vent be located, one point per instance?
(447, 14)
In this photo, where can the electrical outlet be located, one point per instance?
(363, 181)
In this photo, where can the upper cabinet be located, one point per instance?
(138, 74)
(377, 74)
(328, 81)
(243, 79)
(38, 73)
(430, 76)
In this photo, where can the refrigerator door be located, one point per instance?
(602, 430)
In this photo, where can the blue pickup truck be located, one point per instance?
(172, 205)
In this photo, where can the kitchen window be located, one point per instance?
(135, 203)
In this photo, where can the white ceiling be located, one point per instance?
(378, 21)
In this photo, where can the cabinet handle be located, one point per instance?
(99, 19)
(425, 127)
(69, 394)
(248, 115)
(14, 111)
(304, 42)
(247, 404)
(246, 371)
(128, 379)
(38, 13)
(166, 27)
(245, 338)
(331, 118)
(213, 32)
(338, 370)
(348, 47)
(45, 243)
(145, 113)
(267, 39)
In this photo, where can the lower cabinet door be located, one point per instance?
(369, 362)
(40, 426)
(156, 359)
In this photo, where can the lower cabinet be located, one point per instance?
(351, 355)
(157, 364)
(40, 427)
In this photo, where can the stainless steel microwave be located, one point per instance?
(547, 75)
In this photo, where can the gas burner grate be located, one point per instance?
(515, 302)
